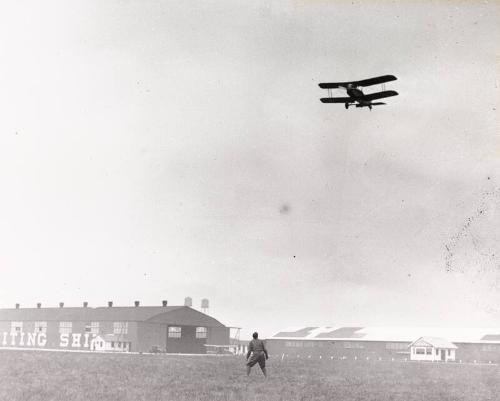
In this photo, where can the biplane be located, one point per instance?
(222, 349)
(356, 95)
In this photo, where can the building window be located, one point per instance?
(92, 328)
(65, 327)
(40, 327)
(120, 328)
(420, 351)
(490, 347)
(16, 327)
(397, 346)
(449, 352)
(174, 332)
(428, 351)
(293, 344)
(201, 332)
(353, 344)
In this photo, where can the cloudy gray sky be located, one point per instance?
(155, 150)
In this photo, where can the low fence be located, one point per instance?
(380, 359)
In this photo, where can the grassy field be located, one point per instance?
(47, 376)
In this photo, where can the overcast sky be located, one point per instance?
(155, 150)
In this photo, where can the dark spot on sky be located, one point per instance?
(285, 208)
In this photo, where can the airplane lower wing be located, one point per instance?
(337, 100)
(379, 95)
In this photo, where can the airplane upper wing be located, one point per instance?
(379, 95)
(364, 82)
(375, 81)
(336, 100)
(334, 85)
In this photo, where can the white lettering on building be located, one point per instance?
(31, 341)
(76, 340)
(22, 339)
(42, 339)
(64, 340)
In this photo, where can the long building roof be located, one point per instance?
(435, 342)
(401, 334)
(183, 315)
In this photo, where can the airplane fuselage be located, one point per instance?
(355, 93)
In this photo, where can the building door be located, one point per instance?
(182, 340)
(443, 355)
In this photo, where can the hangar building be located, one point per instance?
(410, 343)
(174, 329)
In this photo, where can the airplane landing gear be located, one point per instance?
(346, 105)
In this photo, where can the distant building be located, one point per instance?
(173, 329)
(110, 342)
(432, 349)
(398, 343)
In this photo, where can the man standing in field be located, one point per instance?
(258, 350)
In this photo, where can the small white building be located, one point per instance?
(110, 342)
(432, 349)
